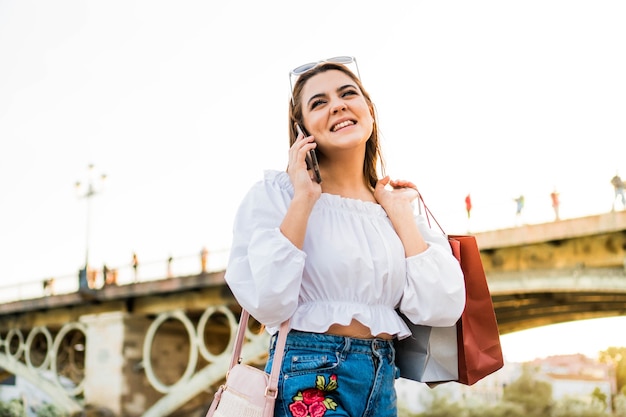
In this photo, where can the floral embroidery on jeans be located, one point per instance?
(313, 402)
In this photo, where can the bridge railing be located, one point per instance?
(121, 275)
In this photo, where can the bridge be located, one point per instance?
(160, 347)
(556, 272)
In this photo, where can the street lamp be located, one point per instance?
(87, 191)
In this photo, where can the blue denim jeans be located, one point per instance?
(324, 375)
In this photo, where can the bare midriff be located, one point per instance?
(357, 330)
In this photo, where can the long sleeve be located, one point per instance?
(265, 269)
(434, 293)
(352, 266)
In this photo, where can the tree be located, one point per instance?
(619, 405)
(600, 397)
(441, 406)
(617, 357)
(578, 407)
(49, 410)
(502, 409)
(13, 408)
(531, 393)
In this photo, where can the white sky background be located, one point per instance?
(184, 104)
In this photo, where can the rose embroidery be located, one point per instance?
(313, 402)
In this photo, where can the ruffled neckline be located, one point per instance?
(329, 200)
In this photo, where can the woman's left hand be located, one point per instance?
(397, 204)
(401, 192)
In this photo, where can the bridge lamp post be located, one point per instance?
(87, 191)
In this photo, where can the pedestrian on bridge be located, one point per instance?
(554, 196)
(519, 208)
(204, 256)
(618, 186)
(341, 257)
(468, 205)
(135, 266)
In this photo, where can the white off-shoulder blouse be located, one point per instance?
(352, 266)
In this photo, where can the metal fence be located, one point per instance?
(121, 275)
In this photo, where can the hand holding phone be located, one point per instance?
(311, 158)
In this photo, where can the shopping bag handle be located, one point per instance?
(427, 212)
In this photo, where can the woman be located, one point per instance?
(338, 257)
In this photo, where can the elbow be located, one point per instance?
(455, 304)
(453, 313)
(448, 310)
(273, 313)
(270, 311)
(444, 312)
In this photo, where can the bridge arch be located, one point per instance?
(45, 376)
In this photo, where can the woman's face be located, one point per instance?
(335, 112)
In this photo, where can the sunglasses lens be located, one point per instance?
(303, 68)
(341, 60)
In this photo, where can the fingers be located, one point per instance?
(301, 147)
(395, 183)
(402, 184)
(382, 183)
(300, 164)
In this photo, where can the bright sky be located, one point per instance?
(184, 104)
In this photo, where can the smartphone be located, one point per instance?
(311, 158)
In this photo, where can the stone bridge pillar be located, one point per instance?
(114, 376)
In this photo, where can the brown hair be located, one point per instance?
(373, 154)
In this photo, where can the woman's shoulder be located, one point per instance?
(278, 179)
(276, 176)
(273, 182)
(268, 191)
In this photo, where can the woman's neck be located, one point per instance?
(349, 184)
(342, 174)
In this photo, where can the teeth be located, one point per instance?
(342, 124)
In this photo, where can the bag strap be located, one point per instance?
(427, 212)
(271, 392)
(241, 334)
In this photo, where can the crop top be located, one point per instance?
(352, 266)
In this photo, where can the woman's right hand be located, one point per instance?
(303, 180)
(306, 192)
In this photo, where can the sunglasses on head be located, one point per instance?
(335, 60)
(298, 71)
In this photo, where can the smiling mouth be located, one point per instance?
(342, 125)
